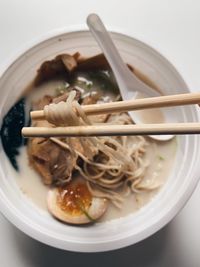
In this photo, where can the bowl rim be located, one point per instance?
(39, 235)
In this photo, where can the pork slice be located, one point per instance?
(93, 99)
(61, 65)
(53, 163)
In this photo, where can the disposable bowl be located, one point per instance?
(124, 231)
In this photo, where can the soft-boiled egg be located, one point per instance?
(75, 204)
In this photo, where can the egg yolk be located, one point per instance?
(74, 198)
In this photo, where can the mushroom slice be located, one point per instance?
(74, 204)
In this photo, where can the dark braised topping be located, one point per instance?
(60, 65)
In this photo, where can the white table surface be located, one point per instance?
(171, 26)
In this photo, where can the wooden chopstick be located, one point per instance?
(113, 130)
(136, 104)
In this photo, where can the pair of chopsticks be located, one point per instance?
(121, 106)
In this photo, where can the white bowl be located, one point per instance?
(127, 230)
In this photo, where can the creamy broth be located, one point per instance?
(160, 155)
(30, 182)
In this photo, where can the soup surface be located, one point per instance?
(92, 85)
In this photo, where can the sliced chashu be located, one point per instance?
(93, 99)
(61, 65)
(54, 164)
(74, 204)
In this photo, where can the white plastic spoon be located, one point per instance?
(127, 81)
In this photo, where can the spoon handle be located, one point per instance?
(105, 42)
(126, 80)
